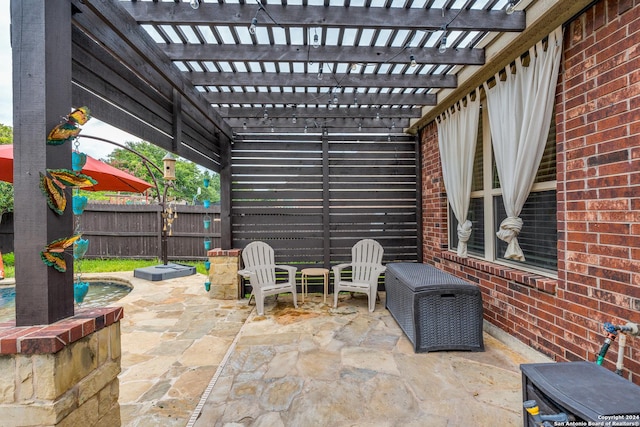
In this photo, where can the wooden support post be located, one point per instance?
(225, 193)
(41, 41)
(326, 219)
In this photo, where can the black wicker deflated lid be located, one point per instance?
(424, 276)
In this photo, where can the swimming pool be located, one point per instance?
(101, 293)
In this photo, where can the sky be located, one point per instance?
(93, 127)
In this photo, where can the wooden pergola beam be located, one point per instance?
(363, 113)
(211, 13)
(331, 54)
(319, 98)
(297, 80)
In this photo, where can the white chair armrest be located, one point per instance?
(292, 271)
(245, 273)
(337, 270)
(380, 269)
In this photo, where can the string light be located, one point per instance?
(511, 7)
(265, 115)
(194, 4)
(320, 73)
(294, 119)
(254, 24)
(244, 125)
(412, 60)
(316, 39)
(443, 44)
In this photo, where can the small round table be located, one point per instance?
(306, 272)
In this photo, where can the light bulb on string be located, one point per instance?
(320, 73)
(316, 41)
(443, 45)
(412, 60)
(294, 119)
(265, 115)
(511, 7)
(194, 4)
(254, 24)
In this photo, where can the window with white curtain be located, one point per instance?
(538, 238)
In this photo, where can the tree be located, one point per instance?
(6, 189)
(188, 175)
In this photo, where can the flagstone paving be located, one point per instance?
(173, 339)
(191, 360)
(318, 366)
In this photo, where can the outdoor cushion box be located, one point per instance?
(437, 311)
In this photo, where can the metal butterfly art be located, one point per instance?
(53, 253)
(69, 128)
(56, 180)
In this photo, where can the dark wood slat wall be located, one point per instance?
(287, 191)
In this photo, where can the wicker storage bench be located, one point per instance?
(437, 311)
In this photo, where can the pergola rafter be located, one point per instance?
(285, 15)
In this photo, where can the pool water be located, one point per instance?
(100, 294)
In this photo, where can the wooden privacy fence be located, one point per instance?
(312, 196)
(133, 231)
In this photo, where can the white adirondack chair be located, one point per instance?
(366, 266)
(260, 269)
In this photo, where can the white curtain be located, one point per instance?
(457, 136)
(520, 111)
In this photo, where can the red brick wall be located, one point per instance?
(598, 163)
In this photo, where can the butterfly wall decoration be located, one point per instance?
(69, 128)
(53, 253)
(55, 181)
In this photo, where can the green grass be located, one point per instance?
(104, 265)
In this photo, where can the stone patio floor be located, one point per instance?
(195, 361)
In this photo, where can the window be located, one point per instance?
(538, 238)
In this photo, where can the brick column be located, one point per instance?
(223, 274)
(62, 374)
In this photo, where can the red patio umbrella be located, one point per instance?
(108, 177)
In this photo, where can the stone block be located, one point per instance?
(224, 292)
(107, 400)
(7, 379)
(103, 345)
(71, 365)
(84, 415)
(114, 337)
(24, 378)
(44, 371)
(111, 418)
(15, 415)
(96, 381)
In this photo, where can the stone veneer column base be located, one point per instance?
(63, 374)
(223, 274)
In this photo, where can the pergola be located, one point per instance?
(192, 76)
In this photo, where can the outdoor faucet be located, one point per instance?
(543, 420)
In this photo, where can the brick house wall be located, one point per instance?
(598, 194)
